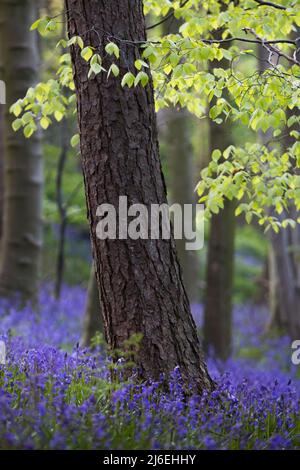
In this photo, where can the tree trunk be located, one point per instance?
(1, 140)
(2, 106)
(61, 208)
(23, 176)
(140, 282)
(284, 256)
(181, 176)
(220, 262)
(92, 323)
(1, 167)
(219, 283)
(286, 249)
(181, 185)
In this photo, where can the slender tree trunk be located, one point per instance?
(62, 210)
(284, 256)
(140, 283)
(23, 178)
(181, 184)
(219, 283)
(220, 262)
(181, 176)
(92, 323)
(286, 248)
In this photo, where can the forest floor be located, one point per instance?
(55, 395)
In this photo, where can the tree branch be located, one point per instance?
(270, 4)
(272, 49)
(166, 18)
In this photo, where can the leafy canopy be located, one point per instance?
(259, 92)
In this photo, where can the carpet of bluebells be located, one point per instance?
(56, 395)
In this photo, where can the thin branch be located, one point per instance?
(166, 18)
(270, 4)
(269, 45)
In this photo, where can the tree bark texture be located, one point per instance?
(140, 281)
(23, 175)
(1, 139)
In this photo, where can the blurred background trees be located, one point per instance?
(22, 158)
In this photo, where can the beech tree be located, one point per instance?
(23, 177)
(177, 123)
(220, 255)
(140, 281)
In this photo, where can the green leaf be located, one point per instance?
(112, 48)
(35, 24)
(141, 77)
(96, 59)
(86, 53)
(216, 155)
(96, 69)
(28, 131)
(58, 115)
(17, 124)
(75, 140)
(114, 69)
(75, 40)
(45, 122)
(140, 63)
(27, 117)
(128, 80)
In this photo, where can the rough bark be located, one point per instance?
(1, 138)
(285, 250)
(140, 281)
(1, 168)
(92, 323)
(23, 177)
(220, 262)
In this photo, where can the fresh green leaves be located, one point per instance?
(112, 49)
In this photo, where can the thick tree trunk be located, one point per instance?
(23, 176)
(140, 282)
(1, 138)
(1, 167)
(220, 263)
(92, 323)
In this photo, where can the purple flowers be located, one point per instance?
(55, 395)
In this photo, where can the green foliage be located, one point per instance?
(262, 177)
